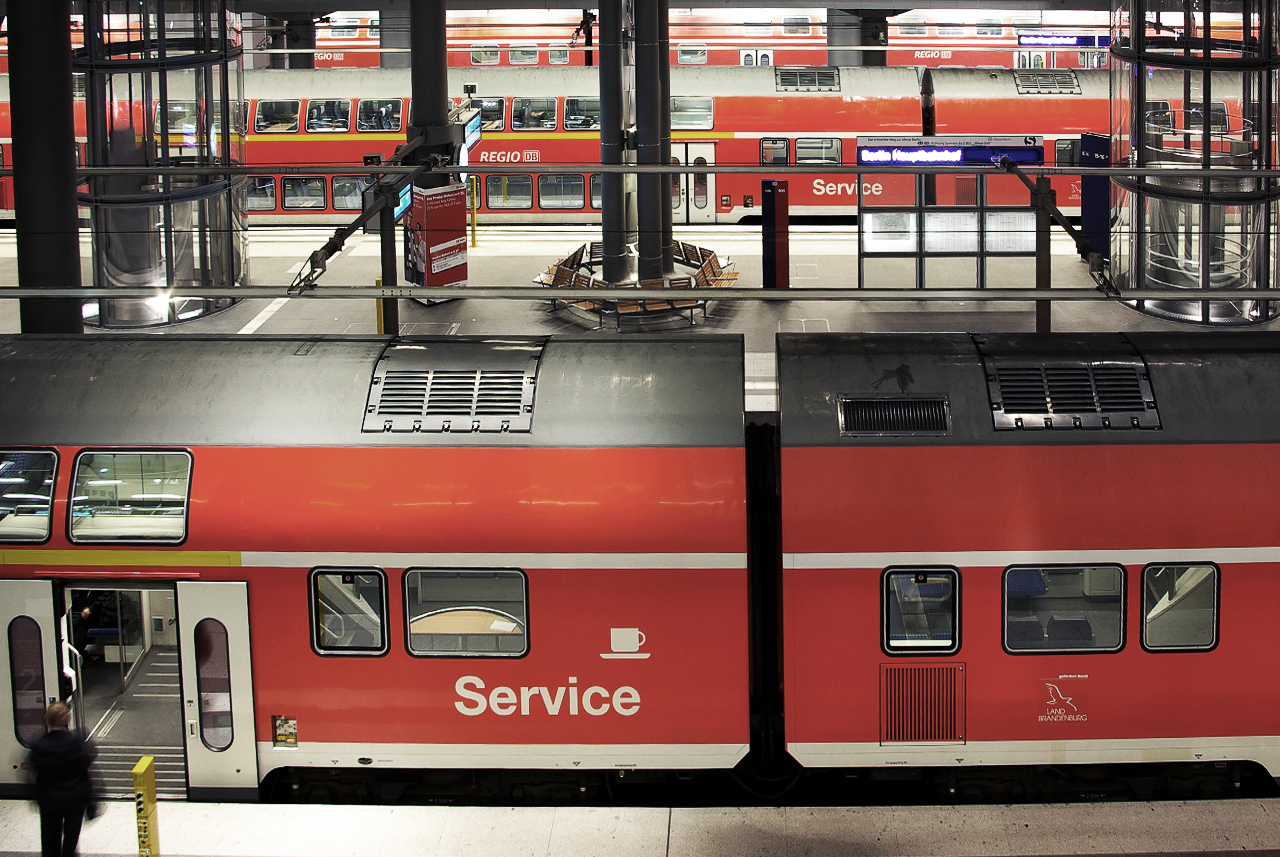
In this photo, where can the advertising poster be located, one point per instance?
(435, 237)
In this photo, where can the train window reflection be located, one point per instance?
(774, 151)
(691, 54)
(262, 193)
(692, 113)
(463, 612)
(348, 192)
(378, 114)
(1159, 117)
(818, 150)
(513, 191)
(581, 114)
(523, 55)
(558, 54)
(348, 611)
(921, 610)
(560, 190)
(1217, 115)
(26, 679)
(533, 114)
(597, 191)
(277, 117)
(303, 191)
(1064, 608)
(484, 54)
(328, 115)
(26, 492)
(184, 117)
(213, 684)
(130, 496)
(1180, 607)
(492, 112)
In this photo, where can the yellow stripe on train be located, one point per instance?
(149, 558)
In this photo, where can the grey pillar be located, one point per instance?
(651, 193)
(844, 29)
(875, 31)
(613, 213)
(44, 186)
(301, 33)
(429, 79)
(276, 29)
(664, 129)
(393, 32)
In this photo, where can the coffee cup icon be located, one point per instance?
(625, 643)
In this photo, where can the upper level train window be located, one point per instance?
(1180, 607)
(818, 150)
(130, 496)
(581, 114)
(328, 115)
(558, 54)
(1217, 115)
(1066, 153)
(692, 113)
(348, 192)
(560, 190)
(533, 114)
(1064, 608)
(262, 193)
(466, 613)
(26, 492)
(492, 113)
(922, 610)
(484, 54)
(911, 27)
(523, 55)
(774, 152)
(508, 191)
(344, 28)
(378, 114)
(183, 116)
(691, 54)
(303, 191)
(349, 611)
(1159, 117)
(989, 27)
(795, 26)
(763, 29)
(374, 31)
(277, 117)
(951, 31)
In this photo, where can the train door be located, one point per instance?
(1032, 59)
(217, 691)
(693, 195)
(29, 666)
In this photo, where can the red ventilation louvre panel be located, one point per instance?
(921, 703)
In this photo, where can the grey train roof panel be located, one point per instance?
(1208, 387)
(148, 390)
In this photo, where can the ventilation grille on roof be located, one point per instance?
(894, 417)
(1063, 82)
(1065, 394)
(807, 79)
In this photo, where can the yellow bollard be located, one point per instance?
(382, 324)
(144, 793)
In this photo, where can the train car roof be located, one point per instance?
(993, 83)
(148, 390)
(945, 389)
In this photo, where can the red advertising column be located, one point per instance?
(435, 237)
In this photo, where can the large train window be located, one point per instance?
(26, 495)
(1217, 115)
(328, 115)
(349, 611)
(558, 54)
(130, 496)
(1180, 607)
(818, 150)
(213, 684)
(921, 611)
(466, 613)
(492, 113)
(774, 151)
(303, 191)
(484, 54)
(523, 55)
(691, 54)
(911, 27)
(989, 27)
(795, 26)
(692, 113)
(508, 191)
(348, 192)
(560, 190)
(184, 117)
(581, 114)
(277, 117)
(533, 114)
(1159, 117)
(262, 193)
(1066, 153)
(26, 679)
(597, 191)
(951, 31)
(378, 114)
(1064, 608)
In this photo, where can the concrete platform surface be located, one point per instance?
(255, 830)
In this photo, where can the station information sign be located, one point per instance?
(949, 151)
(1056, 40)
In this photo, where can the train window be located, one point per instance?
(329, 115)
(692, 113)
(378, 114)
(26, 480)
(818, 150)
(262, 193)
(951, 31)
(1066, 153)
(691, 54)
(774, 152)
(558, 54)
(1159, 117)
(492, 113)
(922, 610)
(560, 190)
(303, 191)
(1093, 59)
(762, 29)
(989, 27)
(374, 31)
(184, 117)
(597, 191)
(213, 684)
(466, 613)
(349, 611)
(130, 496)
(348, 192)
(523, 55)
(343, 28)
(1064, 608)
(581, 114)
(484, 54)
(277, 117)
(533, 114)
(700, 184)
(26, 679)
(795, 26)
(1217, 115)
(1180, 607)
(911, 27)
(508, 191)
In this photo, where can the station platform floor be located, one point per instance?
(1203, 828)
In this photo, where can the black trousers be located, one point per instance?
(60, 829)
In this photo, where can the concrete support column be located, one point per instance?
(429, 80)
(276, 28)
(393, 32)
(613, 213)
(651, 193)
(301, 33)
(844, 29)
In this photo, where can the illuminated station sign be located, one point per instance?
(949, 151)
(1054, 40)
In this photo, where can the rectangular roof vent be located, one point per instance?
(1070, 394)
(1057, 82)
(884, 417)
(807, 79)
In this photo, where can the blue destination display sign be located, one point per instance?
(1053, 40)
(943, 151)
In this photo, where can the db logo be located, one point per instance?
(532, 156)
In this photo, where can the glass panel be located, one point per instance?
(990, 27)
(1179, 606)
(795, 26)
(700, 184)
(378, 114)
(692, 113)
(560, 190)
(374, 31)
(558, 54)
(26, 491)
(213, 684)
(523, 55)
(484, 54)
(277, 117)
(581, 114)
(343, 28)
(911, 27)
(533, 114)
(774, 152)
(491, 112)
(329, 115)
(348, 192)
(184, 117)
(466, 613)
(748, 59)
(1065, 608)
(514, 191)
(262, 193)
(303, 191)
(950, 30)
(673, 190)
(26, 678)
(691, 54)
(818, 150)
(920, 610)
(597, 191)
(1066, 153)
(130, 496)
(348, 611)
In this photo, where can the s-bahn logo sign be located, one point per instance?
(1064, 699)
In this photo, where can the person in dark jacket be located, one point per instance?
(61, 760)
